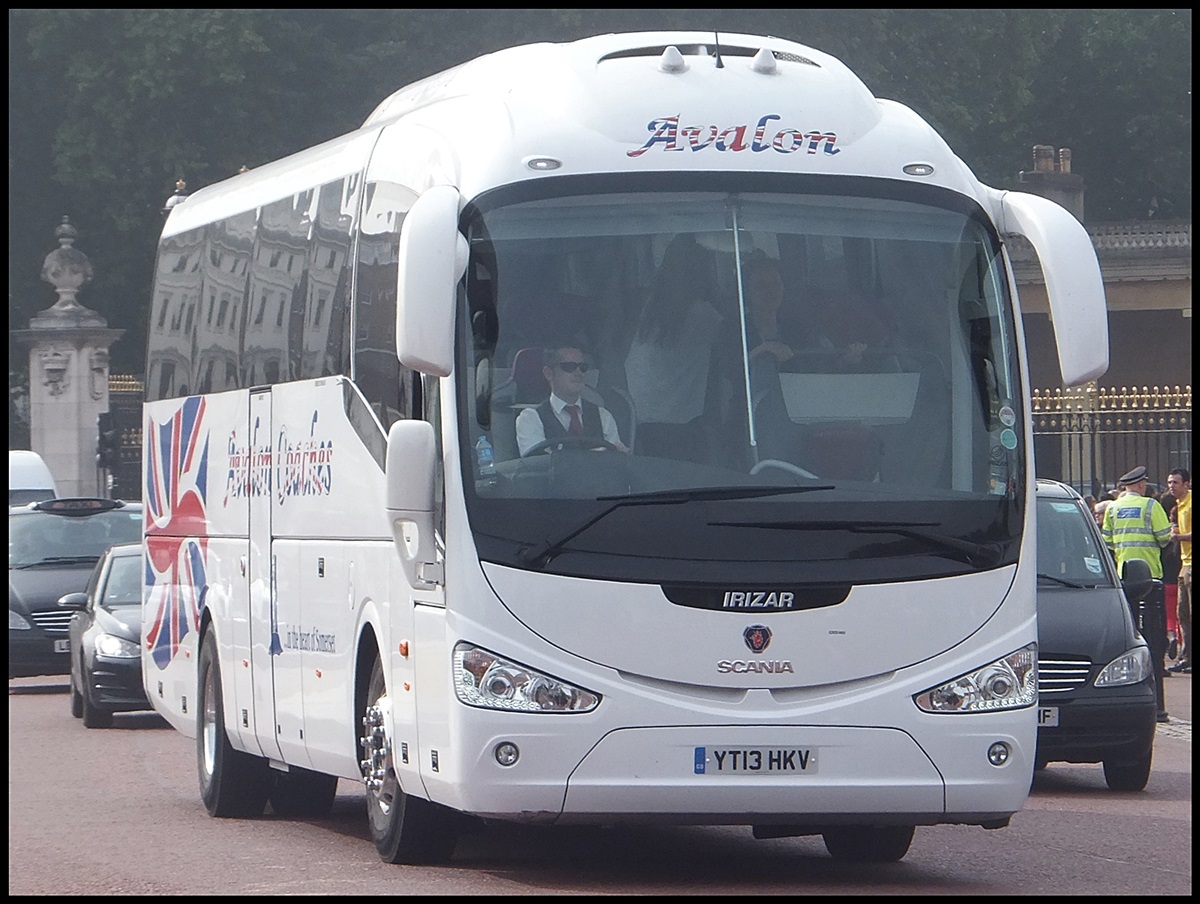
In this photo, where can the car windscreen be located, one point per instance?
(23, 496)
(36, 538)
(852, 355)
(124, 584)
(1068, 549)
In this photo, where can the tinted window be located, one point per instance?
(386, 386)
(124, 585)
(1068, 548)
(41, 537)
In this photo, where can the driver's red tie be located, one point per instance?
(576, 426)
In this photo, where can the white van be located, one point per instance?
(29, 480)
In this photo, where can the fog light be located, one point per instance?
(506, 753)
(998, 754)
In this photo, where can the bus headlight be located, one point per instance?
(1130, 667)
(481, 678)
(1007, 683)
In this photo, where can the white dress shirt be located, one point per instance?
(530, 431)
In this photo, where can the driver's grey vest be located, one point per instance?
(589, 414)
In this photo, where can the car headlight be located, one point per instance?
(1007, 683)
(116, 647)
(1131, 667)
(17, 622)
(481, 678)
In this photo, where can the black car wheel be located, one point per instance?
(1128, 776)
(232, 782)
(76, 698)
(93, 716)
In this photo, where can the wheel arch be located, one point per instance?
(366, 650)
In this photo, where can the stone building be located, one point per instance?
(1147, 270)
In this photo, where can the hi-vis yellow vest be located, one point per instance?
(1136, 527)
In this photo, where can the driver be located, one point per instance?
(565, 413)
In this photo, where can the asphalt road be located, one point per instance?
(117, 811)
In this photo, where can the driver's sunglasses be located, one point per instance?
(569, 367)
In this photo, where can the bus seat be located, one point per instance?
(530, 386)
(844, 451)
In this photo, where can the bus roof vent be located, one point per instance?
(701, 50)
(794, 58)
(672, 60)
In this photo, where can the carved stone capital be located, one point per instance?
(56, 365)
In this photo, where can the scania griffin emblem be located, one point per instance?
(757, 637)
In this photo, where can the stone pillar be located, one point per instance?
(68, 373)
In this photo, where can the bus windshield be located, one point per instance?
(639, 366)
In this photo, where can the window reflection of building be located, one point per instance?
(265, 296)
(280, 252)
(389, 389)
(327, 308)
(172, 314)
(218, 336)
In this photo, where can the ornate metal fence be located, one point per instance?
(1089, 436)
(125, 403)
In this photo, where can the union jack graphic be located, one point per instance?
(176, 527)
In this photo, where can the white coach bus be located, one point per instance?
(781, 574)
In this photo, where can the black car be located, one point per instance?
(105, 636)
(52, 548)
(1096, 694)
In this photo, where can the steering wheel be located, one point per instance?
(571, 441)
(783, 466)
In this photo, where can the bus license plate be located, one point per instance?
(62, 646)
(1047, 717)
(755, 760)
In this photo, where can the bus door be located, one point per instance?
(265, 645)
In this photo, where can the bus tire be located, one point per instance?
(405, 829)
(232, 783)
(868, 844)
(301, 793)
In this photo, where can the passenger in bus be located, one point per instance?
(818, 332)
(764, 297)
(565, 413)
(672, 367)
(856, 331)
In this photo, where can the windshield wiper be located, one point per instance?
(977, 555)
(59, 560)
(1064, 581)
(541, 553)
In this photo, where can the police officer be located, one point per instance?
(1136, 527)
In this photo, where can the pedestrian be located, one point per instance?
(1179, 484)
(1136, 527)
(1171, 565)
(1098, 511)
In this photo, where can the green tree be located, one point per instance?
(109, 107)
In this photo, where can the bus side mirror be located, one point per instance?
(1074, 285)
(432, 260)
(1136, 581)
(411, 465)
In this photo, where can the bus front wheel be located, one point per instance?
(405, 829)
(868, 844)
